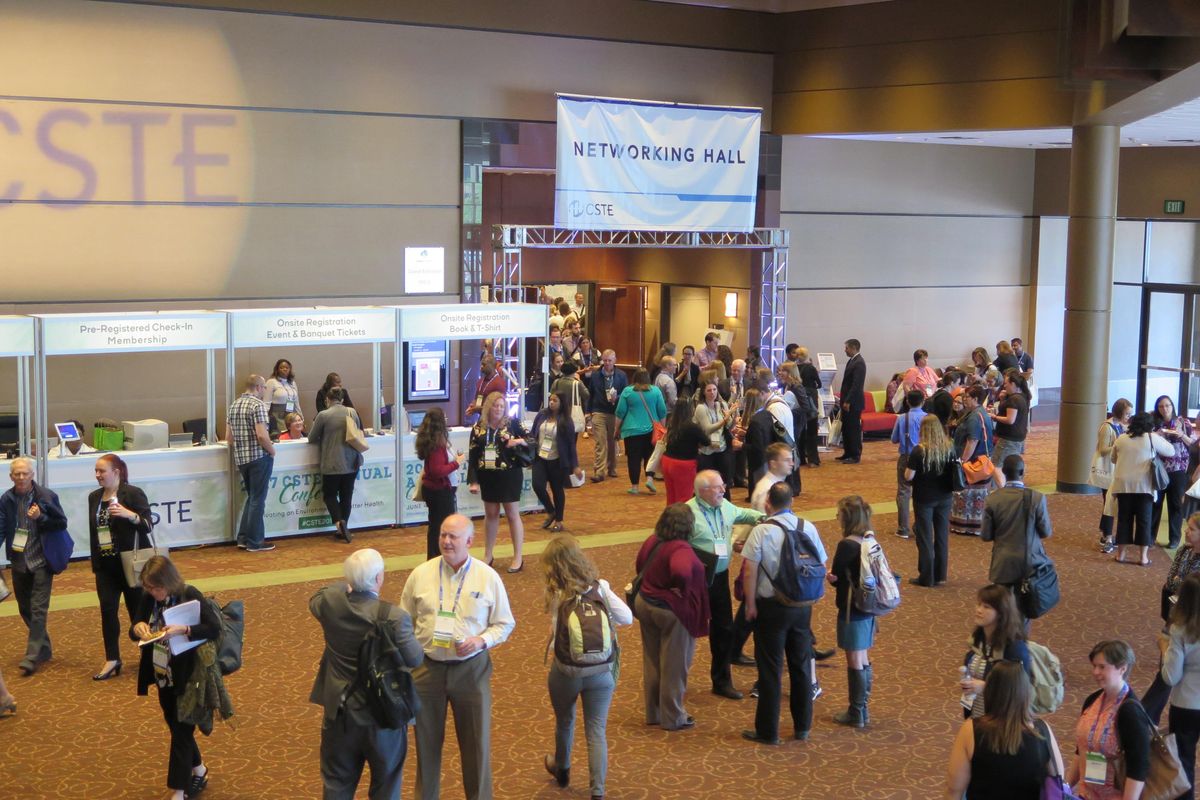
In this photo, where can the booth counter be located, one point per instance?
(294, 502)
(188, 490)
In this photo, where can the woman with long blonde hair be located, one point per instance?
(929, 471)
(572, 577)
(496, 475)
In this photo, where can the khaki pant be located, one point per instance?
(604, 428)
(667, 651)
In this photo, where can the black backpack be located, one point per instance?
(387, 686)
(800, 580)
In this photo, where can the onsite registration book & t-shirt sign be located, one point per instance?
(643, 165)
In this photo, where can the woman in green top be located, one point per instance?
(638, 408)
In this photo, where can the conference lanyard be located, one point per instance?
(720, 547)
(1092, 745)
(458, 594)
(445, 623)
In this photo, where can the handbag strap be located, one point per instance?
(649, 560)
(645, 405)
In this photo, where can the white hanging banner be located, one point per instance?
(641, 165)
(298, 326)
(16, 336)
(135, 332)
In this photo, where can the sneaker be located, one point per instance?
(1108, 547)
(241, 545)
(4, 591)
(633, 490)
(904, 534)
(260, 548)
(817, 691)
(650, 486)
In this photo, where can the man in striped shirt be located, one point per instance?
(254, 453)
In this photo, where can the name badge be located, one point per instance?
(721, 548)
(478, 400)
(489, 456)
(443, 629)
(544, 448)
(1095, 769)
(20, 540)
(104, 536)
(289, 406)
(162, 656)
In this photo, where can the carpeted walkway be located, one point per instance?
(76, 738)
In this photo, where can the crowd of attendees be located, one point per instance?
(696, 425)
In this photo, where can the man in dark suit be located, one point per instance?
(854, 377)
(351, 738)
(1008, 516)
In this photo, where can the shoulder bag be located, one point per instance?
(633, 587)
(1053, 787)
(980, 468)
(657, 429)
(577, 415)
(1038, 593)
(1158, 470)
(354, 434)
(133, 561)
(521, 455)
(1166, 779)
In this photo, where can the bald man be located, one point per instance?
(460, 611)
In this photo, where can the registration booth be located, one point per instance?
(294, 503)
(188, 487)
(446, 323)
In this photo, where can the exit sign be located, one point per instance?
(1172, 206)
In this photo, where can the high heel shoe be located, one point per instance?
(111, 672)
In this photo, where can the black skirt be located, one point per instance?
(501, 485)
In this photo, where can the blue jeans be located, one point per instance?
(256, 477)
(597, 693)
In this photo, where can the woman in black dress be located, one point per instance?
(1006, 754)
(117, 512)
(163, 587)
(495, 473)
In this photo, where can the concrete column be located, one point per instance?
(1095, 153)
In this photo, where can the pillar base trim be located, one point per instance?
(1064, 487)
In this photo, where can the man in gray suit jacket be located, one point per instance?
(347, 612)
(1009, 516)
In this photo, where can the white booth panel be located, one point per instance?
(294, 504)
(188, 490)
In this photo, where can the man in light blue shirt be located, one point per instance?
(906, 433)
(715, 518)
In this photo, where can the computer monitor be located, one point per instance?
(68, 432)
(415, 418)
(426, 371)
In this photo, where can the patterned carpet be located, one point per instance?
(76, 738)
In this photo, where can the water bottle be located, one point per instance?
(968, 697)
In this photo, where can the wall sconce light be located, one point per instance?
(731, 304)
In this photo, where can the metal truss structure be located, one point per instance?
(508, 242)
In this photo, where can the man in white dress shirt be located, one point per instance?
(460, 611)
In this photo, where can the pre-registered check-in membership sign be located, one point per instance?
(644, 165)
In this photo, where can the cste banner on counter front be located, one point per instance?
(642, 165)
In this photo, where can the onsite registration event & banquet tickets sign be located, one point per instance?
(642, 165)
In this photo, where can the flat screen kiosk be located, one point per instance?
(294, 503)
(188, 488)
(435, 324)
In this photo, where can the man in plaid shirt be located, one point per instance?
(254, 453)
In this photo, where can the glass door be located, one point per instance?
(1170, 348)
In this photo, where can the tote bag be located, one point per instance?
(577, 416)
(133, 561)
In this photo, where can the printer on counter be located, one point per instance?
(145, 434)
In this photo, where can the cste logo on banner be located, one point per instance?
(641, 165)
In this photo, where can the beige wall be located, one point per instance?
(921, 65)
(171, 157)
(906, 246)
(1147, 176)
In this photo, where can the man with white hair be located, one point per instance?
(460, 609)
(605, 386)
(27, 513)
(350, 735)
(713, 539)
